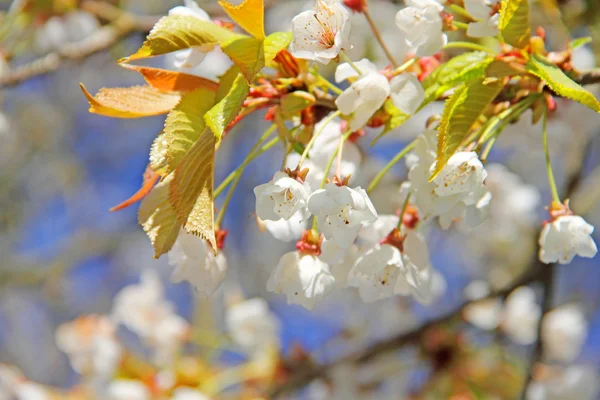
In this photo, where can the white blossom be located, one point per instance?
(341, 211)
(321, 33)
(124, 389)
(406, 93)
(566, 237)
(365, 95)
(187, 393)
(421, 27)
(521, 316)
(318, 156)
(192, 57)
(304, 279)
(487, 18)
(195, 262)
(564, 330)
(483, 313)
(253, 326)
(143, 309)
(574, 382)
(282, 197)
(287, 230)
(456, 194)
(91, 345)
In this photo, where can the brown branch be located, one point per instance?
(305, 376)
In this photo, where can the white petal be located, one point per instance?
(407, 93)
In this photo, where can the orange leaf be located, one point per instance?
(150, 178)
(132, 102)
(172, 81)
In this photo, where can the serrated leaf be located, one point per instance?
(222, 114)
(293, 103)
(461, 112)
(191, 191)
(561, 83)
(274, 43)
(172, 81)
(250, 15)
(177, 32)
(514, 22)
(247, 53)
(226, 81)
(183, 127)
(158, 156)
(157, 217)
(150, 178)
(501, 69)
(131, 102)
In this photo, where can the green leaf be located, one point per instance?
(191, 191)
(293, 103)
(461, 112)
(514, 22)
(157, 217)
(582, 41)
(226, 82)
(501, 69)
(179, 32)
(561, 83)
(276, 42)
(247, 53)
(183, 127)
(222, 114)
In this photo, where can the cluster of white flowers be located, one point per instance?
(58, 30)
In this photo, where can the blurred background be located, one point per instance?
(64, 255)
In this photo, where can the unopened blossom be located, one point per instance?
(521, 316)
(253, 326)
(486, 13)
(341, 212)
(406, 93)
(421, 26)
(143, 309)
(304, 279)
(195, 262)
(365, 95)
(566, 237)
(564, 331)
(192, 57)
(91, 345)
(282, 197)
(321, 33)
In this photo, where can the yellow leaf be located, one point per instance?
(248, 54)
(179, 32)
(150, 178)
(172, 81)
(461, 112)
(184, 125)
(157, 217)
(132, 102)
(514, 22)
(158, 156)
(561, 83)
(250, 15)
(274, 43)
(293, 103)
(222, 114)
(191, 191)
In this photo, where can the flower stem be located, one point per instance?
(316, 134)
(332, 158)
(389, 165)
(330, 85)
(240, 170)
(349, 61)
(460, 25)
(551, 180)
(468, 45)
(404, 67)
(404, 207)
(457, 10)
(379, 38)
